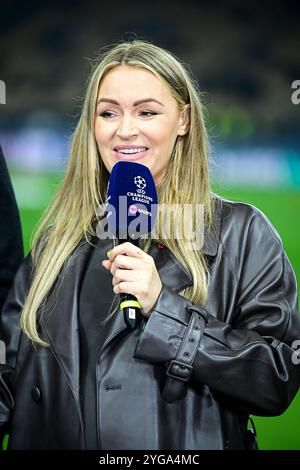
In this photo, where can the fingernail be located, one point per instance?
(108, 253)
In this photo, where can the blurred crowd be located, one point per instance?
(244, 55)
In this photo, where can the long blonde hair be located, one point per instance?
(70, 216)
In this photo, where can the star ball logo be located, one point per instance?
(2, 92)
(140, 182)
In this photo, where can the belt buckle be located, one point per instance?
(186, 370)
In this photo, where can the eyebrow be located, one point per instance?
(145, 100)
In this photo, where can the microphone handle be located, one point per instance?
(131, 310)
(130, 305)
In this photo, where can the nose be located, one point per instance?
(127, 128)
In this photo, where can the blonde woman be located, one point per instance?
(219, 322)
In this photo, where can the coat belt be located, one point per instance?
(179, 370)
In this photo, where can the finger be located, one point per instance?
(126, 262)
(126, 288)
(124, 275)
(106, 263)
(126, 248)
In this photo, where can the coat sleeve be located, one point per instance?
(252, 359)
(10, 331)
(11, 242)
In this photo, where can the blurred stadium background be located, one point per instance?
(245, 57)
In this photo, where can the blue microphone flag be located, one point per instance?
(131, 202)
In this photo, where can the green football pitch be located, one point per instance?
(282, 207)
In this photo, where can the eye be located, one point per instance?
(148, 112)
(105, 113)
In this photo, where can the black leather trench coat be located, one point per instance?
(229, 360)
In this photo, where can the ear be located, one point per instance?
(185, 120)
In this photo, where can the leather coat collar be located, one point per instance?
(59, 319)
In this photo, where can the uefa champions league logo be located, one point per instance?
(140, 182)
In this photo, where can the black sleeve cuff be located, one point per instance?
(165, 328)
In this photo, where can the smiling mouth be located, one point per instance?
(131, 151)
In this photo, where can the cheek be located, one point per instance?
(165, 143)
(164, 133)
(102, 133)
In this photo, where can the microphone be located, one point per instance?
(131, 213)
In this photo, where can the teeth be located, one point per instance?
(131, 150)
